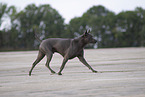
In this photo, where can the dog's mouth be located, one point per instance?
(93, 41)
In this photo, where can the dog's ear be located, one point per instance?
(89, 31)
(85, 33)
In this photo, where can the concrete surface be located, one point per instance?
(121, 74)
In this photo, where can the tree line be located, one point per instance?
(126, 29)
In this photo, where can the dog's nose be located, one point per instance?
(95, 40)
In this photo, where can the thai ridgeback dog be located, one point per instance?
(68, 48)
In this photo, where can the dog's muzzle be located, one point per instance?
(94, 41)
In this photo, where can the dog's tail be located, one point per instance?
(37, 37)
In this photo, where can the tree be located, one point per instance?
(8, 36)
(3, 10)
(123, 30)
(44, 19)
(95, 19)
(126, 29)
(141, 15)
(129, 25)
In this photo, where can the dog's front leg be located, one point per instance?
(82, 59)
(62, 66)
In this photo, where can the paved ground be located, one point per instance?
(121, 74)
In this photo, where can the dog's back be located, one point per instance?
(59, 45)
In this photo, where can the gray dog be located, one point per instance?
(68, 48)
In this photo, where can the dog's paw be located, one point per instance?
(53, 72)
(59, 73)
(29, 73)
(95, 71)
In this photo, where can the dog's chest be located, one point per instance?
(74, 54)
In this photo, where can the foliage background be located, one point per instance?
(126, 29)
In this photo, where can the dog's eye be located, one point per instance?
(91, 37)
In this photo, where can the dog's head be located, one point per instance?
(88, 38)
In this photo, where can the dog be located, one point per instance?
(68, 48)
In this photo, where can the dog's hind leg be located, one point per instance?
(39, 58)
(49, 57)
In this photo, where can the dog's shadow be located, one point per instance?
(115, 71)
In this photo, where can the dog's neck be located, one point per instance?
(80, 41)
